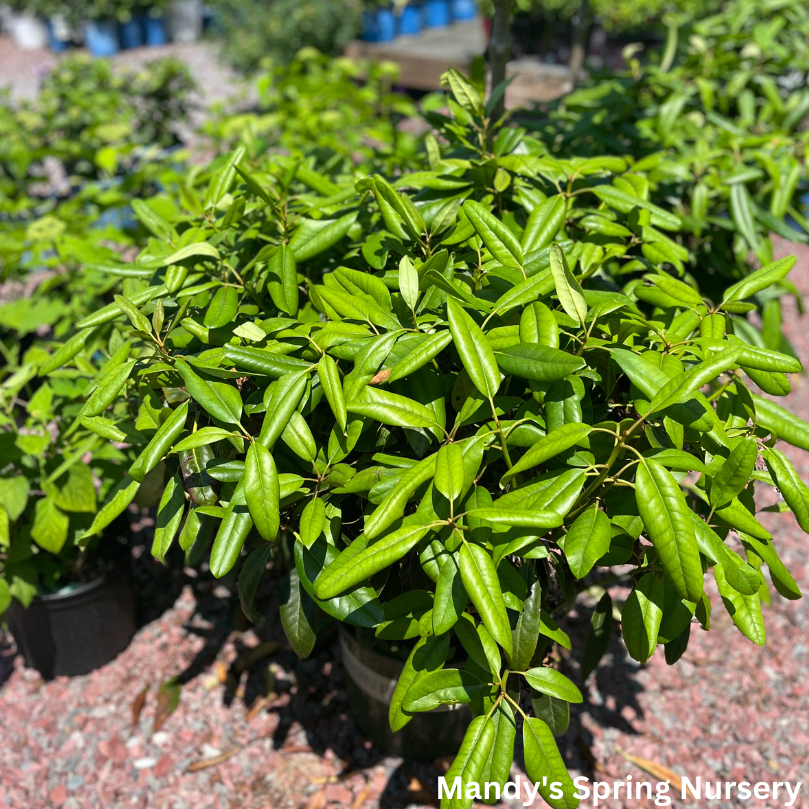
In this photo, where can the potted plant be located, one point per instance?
(464, 392)
(64, 590)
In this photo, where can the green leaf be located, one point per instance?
(408, 282)
(222, 401)
(249, 578)
(117, 502)
(497, 238)
(471, 761)
(552, 682)
(449, 471)
(464, 92)
(137, 320)
(49, 530)
(261, 490)
(107, 390)
(556, 442)
(780, 421)
(598, 639)
(501, 756)
(298, 437)
(542, 520)
(792, 488)
(161, 443)
(342, 576)
(681, 388)
(14, 495)
(481, 583)
(232, 533)
(539, 362)
(525, 635)
(428, 655)
(476, 355)
(741, 212)
(555, 713)
(442, 687)
(402, 205)
(202, 438)
(393, 506)
(313, 521)
(744, 610)
(391, 409)
(568, 290)
(450, 596)
(298, 613)
(425, 351)
(641, 617)
(544, 223)
(222, 309)
(169, 516)
(735, 472)
(286, 397)
(544, 766)
(760, 279)
(283, 280)
(329, 377)
(587, 541)
(667, 520)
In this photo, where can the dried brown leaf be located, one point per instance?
(137, 706)
(659, 771)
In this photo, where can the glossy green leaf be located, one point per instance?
(261, 490)
(481, 583)
(475, 353)
(641, 617)
(587, 540)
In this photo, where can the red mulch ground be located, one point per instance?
(727, 711)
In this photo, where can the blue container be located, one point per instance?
(101, 37)
(379, 25)
(154, 31)
(56, 44)
(464, 10)
(409, 21)
(437, 13)
(131, 33)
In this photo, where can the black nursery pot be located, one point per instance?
(72, 633)
(371, 680)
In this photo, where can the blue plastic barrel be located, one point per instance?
(464, 10)
(379, 25)
(437, 13)
(131, 33)
(154, 31)
(56, 44)
(101, 37)
(410, 19)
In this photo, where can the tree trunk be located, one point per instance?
(582, 24)
(500, 50)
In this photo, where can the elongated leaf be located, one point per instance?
(222, 309)
(568, 290)
(641, 617)
(544, 223)
(668, 525)
(481, 583)
(161, 443)
(421, 355)
(169, 516)
(220, 400)
(261, 490)
(298, 613)
(232, 533)
(313, 521)
(587, 541)
(442, 687)
(329, 377)
(249, 579)
(552, 682)
(499, 240)
(539, 362)
(744, 610)
(598, 638)
(789, 482)
(428, 655)
(368, 561)
(544, 766)
(760, 279)
(557, 441)
(449, 471)
(735, 472)
(476, 355)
